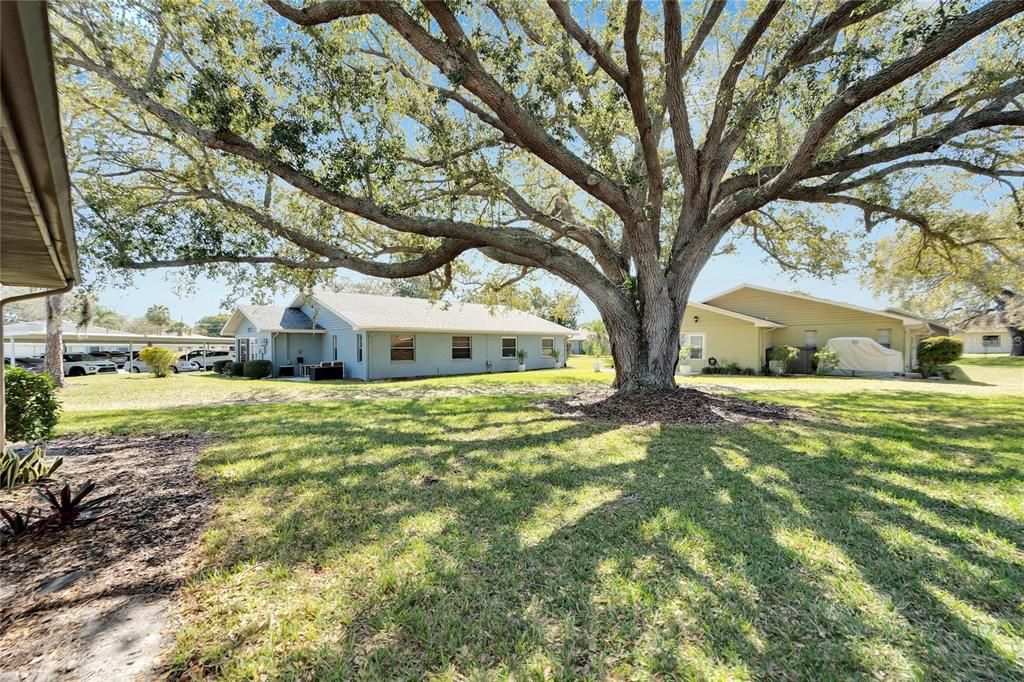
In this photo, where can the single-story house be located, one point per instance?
(988, 333)
(745, 323)
(578, 338)
(385, 337)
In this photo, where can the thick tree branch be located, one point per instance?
(984, 119)
(321, 12)
(727, 86)
(959, 32)
(637, 97)
(564, 15)
(676, 66)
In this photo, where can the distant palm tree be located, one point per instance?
(180, 328)
(159, 316)
(599, 343)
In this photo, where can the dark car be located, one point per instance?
(115, 356)
(34, 365)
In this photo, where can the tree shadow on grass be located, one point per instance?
(437, 537)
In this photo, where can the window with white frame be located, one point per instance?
(697, 345)
(810, 338)
(359, 347)
(547, 346)
(509, 346)
(334, 347)
(462, 348)
(990, 341)
(884, 337)
(403, 348)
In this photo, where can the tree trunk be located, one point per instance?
(646, 351)
(54, 360)
(1016, 341)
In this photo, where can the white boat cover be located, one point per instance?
(860, 355)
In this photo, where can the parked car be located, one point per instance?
(136, 365)
(205, 361)
(115, 356)
(83, 364)
(34, 365)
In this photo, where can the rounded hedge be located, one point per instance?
(237, 369)
(32, 407)
(937, 350)
(257, 369)
(219, 365)
(160, 360)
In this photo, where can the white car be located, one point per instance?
(83, 364)
(205, 361)
(136, 365)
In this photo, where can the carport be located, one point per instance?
(110, 338)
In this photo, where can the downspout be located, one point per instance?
(14, 299)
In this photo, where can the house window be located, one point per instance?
(403, 348)
(334, 347)
(810, 338)
(547, 346)
(990, 341)
(461, 348)
(884, 337)
(359, 347)
(509, 346)
(696, 343)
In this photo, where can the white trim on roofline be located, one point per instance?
(907, 321)
(757, 321)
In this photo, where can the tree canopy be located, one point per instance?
(954, 284)
(615, 145)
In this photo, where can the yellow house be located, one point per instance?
(743, 324)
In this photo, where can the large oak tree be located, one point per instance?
(615, 146)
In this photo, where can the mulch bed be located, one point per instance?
(90, 602)
(682, 406)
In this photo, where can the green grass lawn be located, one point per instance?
(430, 535)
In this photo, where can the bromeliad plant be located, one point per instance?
(68, 510)
(17, 523)
(33, 467)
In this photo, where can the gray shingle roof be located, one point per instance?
(373, 312)
(994, 321)
(276, 318)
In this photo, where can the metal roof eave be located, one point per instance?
(32, 132)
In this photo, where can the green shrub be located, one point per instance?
(237, 369)
(160, 360)
(784, 353)
(730, 368)
(256, 369)
(219, 365)
(827, 360)
(28, 469)
(32, 405)
(937, 350)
